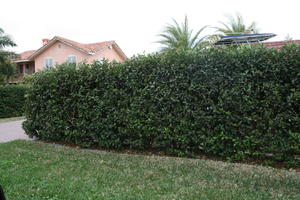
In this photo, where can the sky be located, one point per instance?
(135, 24)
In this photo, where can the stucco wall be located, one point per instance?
(109, 54)
(59, 55)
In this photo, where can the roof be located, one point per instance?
(23, 57)
(90, 49)
(279, 44)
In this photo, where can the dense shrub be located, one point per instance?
(230, 102)
(12, 100)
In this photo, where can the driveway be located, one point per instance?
(12, 131)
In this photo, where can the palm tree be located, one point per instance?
(236, 26)
(175, 36)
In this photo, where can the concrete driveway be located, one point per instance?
(12, 131)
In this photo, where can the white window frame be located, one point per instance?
(71, 57)
(46, 62)
(101, 59)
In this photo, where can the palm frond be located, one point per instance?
(196, 37)
(180, 36)
(235, 25)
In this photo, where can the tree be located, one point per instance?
(175, 36)
(235, 26)
(7, 68)
(5, 40)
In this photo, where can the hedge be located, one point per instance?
(233, 102)
(12, 100)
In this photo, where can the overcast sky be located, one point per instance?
(134, 24)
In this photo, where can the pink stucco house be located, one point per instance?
(59, 50)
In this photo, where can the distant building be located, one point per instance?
(279, 44)
(59, 50)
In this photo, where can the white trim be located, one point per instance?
(18, 61)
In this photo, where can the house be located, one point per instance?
(279, 44)
(59, 50)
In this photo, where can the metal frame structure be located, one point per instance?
(244, 38)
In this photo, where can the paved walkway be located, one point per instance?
(12, 131)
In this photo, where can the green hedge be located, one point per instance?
(12, 100)
(229, 102)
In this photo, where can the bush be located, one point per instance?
(12, 100)
(229, 102)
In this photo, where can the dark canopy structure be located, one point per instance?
(244, 38)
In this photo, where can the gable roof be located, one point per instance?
(279, 44)
(90, 49)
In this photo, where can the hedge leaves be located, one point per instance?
(230, 102)
(12, 100)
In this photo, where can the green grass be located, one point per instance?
(11, 119)
(37, 171)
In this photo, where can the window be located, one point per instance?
(71, 59)
(48, 62)
(21, 68)
(27, 69)
(101, 60)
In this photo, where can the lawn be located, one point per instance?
(11, 119)
(37, 171)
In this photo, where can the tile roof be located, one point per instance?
(26, 54)
(279, 44)
(88, 48)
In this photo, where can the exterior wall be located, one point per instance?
(109, 54)
(59, 55)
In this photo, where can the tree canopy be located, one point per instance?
(180, 36)
(7, 68)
